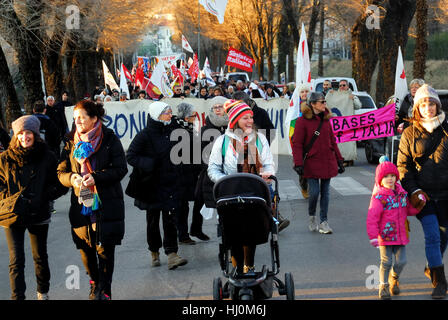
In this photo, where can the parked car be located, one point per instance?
(367, 103)
(317, 84)
(375, 148)
(244, 76)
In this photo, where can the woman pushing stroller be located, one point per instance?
(241, 149)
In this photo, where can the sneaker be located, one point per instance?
(174, 261)
(383, 292)
(43, 296)
(155, 259)
(325, 228)
(305, 194)
(188, 241)
(283, 223)
(313, 224)
(200, 235)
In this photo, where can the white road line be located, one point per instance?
(289, 190)
(348, 186)
(367, 173)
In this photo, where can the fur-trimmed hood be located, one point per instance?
(308, 114)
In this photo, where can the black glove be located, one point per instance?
(341, 166)
(299, 170)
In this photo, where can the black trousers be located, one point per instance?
(98, 260)
(15, 237)
(182, 220)
(197, 219)
(153, 235)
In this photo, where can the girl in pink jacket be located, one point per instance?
(387, 227)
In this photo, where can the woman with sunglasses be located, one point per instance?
(320, 163)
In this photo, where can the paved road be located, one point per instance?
(323, 266)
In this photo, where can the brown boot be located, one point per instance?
(438, 282)
(155, 259)
(174, 261)
(394, 284)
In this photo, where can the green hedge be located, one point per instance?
(437, 47)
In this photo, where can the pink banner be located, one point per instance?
(370, 125)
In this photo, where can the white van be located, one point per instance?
(244, 76)
(317, 84)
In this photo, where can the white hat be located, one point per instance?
(156, 109)
(304, 86)
(426, 91)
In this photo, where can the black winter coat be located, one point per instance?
(35, 171)
(432, 178)
(49, 133)
(408, 102)
(150, 152)
(204, 187)
(262, 121)
(110, 169)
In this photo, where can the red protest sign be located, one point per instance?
(239, 60)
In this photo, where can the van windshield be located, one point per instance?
(237, 77)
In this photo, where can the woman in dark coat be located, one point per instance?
(93, 163)
(149, 152)
(29, 163)
(322, 161)
(423, 165)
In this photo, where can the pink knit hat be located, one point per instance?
(384, 168)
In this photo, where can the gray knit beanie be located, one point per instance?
(185, 110)
(29, 122)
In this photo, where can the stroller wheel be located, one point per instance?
(289, 286)
(217, 289)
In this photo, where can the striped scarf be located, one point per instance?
(87, 144)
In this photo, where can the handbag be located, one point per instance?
(140, 185)
(13, 209)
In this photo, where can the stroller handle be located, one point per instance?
(276, 183)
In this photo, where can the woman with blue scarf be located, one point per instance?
(93, 163)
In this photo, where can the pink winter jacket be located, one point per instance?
(386, 218)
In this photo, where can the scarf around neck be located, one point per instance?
(87, 144)
(431, 124)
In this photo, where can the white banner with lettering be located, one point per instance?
(129, 117)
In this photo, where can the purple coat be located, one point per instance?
(321, 162)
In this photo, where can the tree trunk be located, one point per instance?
(283, 46)
(394, 33)
(320, 68)
(9, 103)
(53, 75)
(312, 26)
(29, 67)
(364, 54)
(421, 45)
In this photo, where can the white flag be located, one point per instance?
(215, 7)
(109, 78)
(401, 86)
(303, 75)
(207, 73)
(124, 83)
(160, 79)
(186, 45)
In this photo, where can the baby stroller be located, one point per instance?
(247, 217)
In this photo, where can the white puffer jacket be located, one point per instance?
(215, 168)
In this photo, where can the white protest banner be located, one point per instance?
(170, 59)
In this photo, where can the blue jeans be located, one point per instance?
(434, 247)
(387, 253)
(316, 186)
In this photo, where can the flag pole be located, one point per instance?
(199, 35)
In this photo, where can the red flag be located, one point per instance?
(139, 77)
(194, 69)
(152, 91)
(127, 73)
(177, 74)
(239, 60)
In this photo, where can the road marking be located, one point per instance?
(289, 190)
(348, 186)
(367, 173)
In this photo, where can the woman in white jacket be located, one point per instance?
(243, 149)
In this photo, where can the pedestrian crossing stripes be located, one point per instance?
(345, 186)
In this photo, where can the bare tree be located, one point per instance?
(421, 44)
